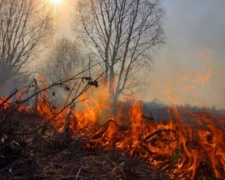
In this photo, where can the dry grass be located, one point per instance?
(48, 154)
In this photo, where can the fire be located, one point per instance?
(177, 148)
(180, 147)
(5, 102)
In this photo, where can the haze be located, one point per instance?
(190, 66)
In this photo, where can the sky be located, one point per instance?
(190, 67)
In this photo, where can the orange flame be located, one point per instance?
(180, 147)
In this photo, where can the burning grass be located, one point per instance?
(84, 142)
(50, 154)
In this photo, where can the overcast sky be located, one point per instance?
(191, 65)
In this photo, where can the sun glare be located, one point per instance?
(55, 1)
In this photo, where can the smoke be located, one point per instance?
(191, 64)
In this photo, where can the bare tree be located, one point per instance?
(122, 34)
(24, 24)
(64, 60)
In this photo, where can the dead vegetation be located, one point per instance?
(45, 142)
(49, 154)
